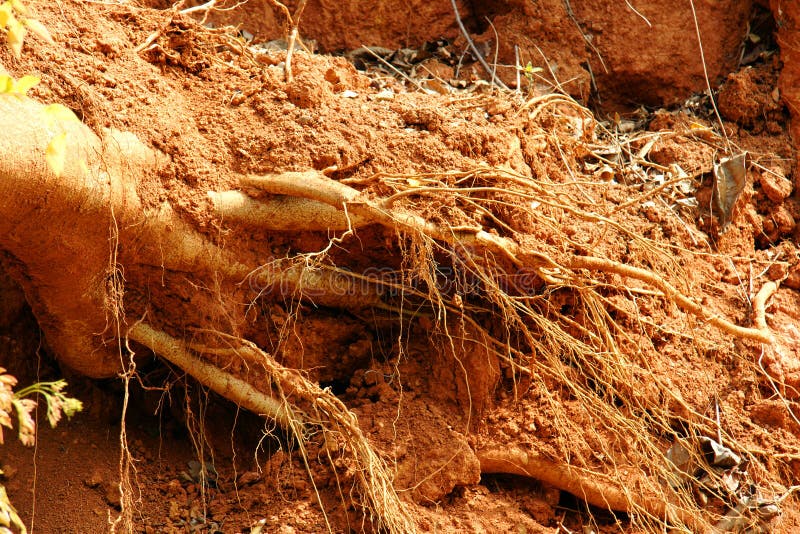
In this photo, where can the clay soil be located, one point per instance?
(202, 465)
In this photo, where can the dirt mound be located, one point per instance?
(515, 288)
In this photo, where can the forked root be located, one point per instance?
(330, 414)
(590, 487)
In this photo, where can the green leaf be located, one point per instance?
(56, 153)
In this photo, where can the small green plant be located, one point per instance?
(15, 23)
(19, 403)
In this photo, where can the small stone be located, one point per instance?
(174, 487)
(249, 477)
(776, 186)
(174, 511)
(793, 279)
(783, 220)
(95, 479)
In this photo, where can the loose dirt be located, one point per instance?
(202, 465)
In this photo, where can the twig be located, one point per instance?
(627, 3)
(160, 31)
(496, 49)
(474, 48)
(295, 22)
(586, 38)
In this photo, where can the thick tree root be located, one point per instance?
(590, 487)
(281, 213)
(98, 222)
(227, 385)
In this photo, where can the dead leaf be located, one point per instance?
(729, 181)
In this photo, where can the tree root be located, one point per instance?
(314, 186)
(281, 214)
(761, 333)
(101, 223)
(588, 486)
(324, 409)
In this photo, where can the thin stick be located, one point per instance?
(708, 82)
(295, 22)
(474, 48)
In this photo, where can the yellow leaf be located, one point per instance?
(39, 30)
(59, 113)
(19, 7)
(6, 83)
(22, 85)
(56, 153)
(16, 35)
(5, 14)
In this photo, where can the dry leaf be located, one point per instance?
(729, 180)
(16, 36)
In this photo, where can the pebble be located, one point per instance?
(775, 186)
